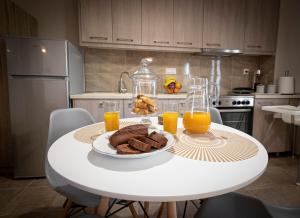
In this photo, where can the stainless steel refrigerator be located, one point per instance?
(42, 74)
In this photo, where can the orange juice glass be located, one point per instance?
(111, 115)
(170, 117)
(196, 122)
(170, 121)
(111, 120)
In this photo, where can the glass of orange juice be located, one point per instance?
(196, 118)
(111, 115)
(196, 122)
(170, 117)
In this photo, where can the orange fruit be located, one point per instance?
(178, 85)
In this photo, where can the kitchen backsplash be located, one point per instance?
(103, 68)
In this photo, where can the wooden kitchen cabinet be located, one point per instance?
(127, 19)
(157, 22)
(261, 25)
(95, 107)
(188, 22)
(95, 21)
(273, 133)
(223, 24)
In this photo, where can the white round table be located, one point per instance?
(164, 177)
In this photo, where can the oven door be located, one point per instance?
(238, 118)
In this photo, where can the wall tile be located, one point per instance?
(103, 68)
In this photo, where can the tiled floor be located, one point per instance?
(35, 199)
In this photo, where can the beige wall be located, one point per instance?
(103, 68)
(57, 19)
(288, 44)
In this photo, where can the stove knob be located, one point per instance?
(219, 102)
(243, 102)
(234, 102)
(214, 102)
(247, 102)
(238, 102)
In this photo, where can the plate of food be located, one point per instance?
(135, 141)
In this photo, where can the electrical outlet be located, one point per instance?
(246, 71)
(171, 71)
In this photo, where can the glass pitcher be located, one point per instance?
(144, 87)
(196, 118)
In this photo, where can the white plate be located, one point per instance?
(101, 145)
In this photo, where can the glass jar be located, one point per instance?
(196, 118)
(144, 84)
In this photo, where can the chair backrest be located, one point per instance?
(65, 120)
(215, 115)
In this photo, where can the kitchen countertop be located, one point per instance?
(115, 95)
(276, 95)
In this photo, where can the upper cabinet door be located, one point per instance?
(127, 19)
(261, 25)
(95, 21)
(157, 22)
(188, 22)
(223, 24)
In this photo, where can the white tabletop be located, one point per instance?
(163, 177)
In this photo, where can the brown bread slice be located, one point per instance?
(121, 138)
(149, 141)
(123, 135)
(139, 145)
(161, 139)
(126, 149)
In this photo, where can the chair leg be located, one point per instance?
(103, 205)
(68, 205)
(184, 210)
(133, 211)
(161, 209)
(65, 203)
(146, 206)
(298, 174)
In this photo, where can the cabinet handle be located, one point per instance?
(184, 43)
(124, 40)
(99, 37)
(213, 44)
(254, 46)
(161, 42)
(100, 105)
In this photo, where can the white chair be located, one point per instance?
(61, 122)
(234, 205)
(215, 115)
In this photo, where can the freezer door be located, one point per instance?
(31, 102)
(36, 57)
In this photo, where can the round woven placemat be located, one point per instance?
(90, 133)
(213, 146)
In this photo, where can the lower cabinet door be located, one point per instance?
(95, 107)
(127, 104)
